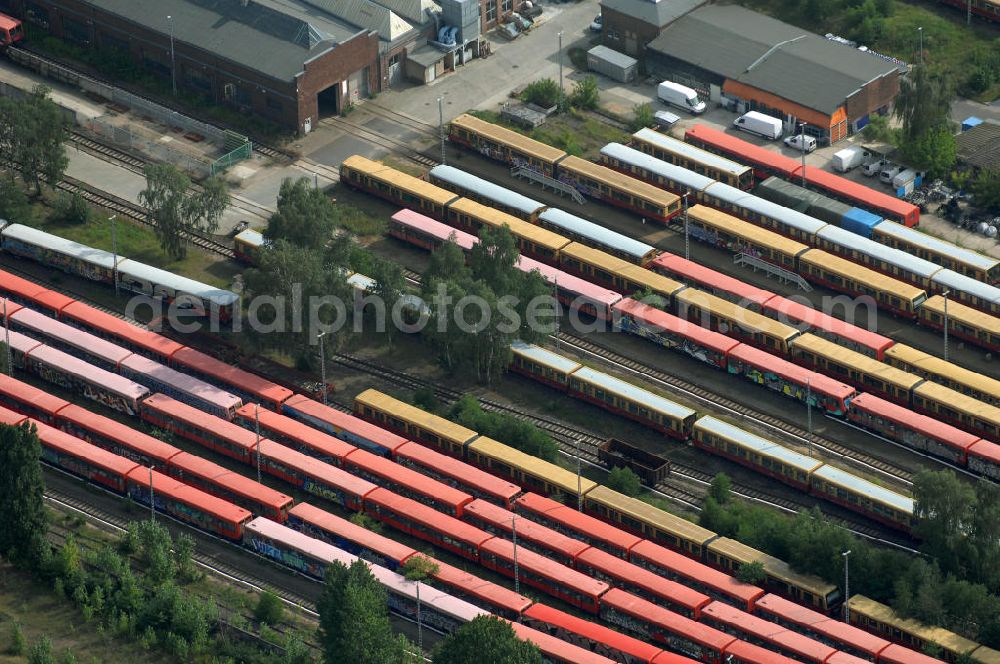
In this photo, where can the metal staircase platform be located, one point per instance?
(783, 275)
(552, 183)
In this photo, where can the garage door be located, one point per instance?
(357, 86)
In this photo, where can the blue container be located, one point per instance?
(970, 122)
(860, 221)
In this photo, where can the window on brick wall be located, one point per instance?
(491, 11)
(394, 60)
(508, 6)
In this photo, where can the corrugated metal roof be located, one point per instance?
(366, 14)
(952, 280)
(980, 145)
(414, 11)
(599, 234)
(758, 444)
(655, 13)
(633, 392)
(776, 57)
(485, 188)
(614, 57)
(852, 241)
(547, 357)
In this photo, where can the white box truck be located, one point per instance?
(848, 158)
(680, 96)
(904, 178)
(760, 124)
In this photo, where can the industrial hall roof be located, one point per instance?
(980, 145)
(655, 13)
(769, 55)
(287, 32)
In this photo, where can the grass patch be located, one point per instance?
(405, 166)
(579, 133)
(359, 222)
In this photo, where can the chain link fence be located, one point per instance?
(154, 149)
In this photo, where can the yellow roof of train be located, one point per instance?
(779, 569)
(613, 178)
(883, 614)
(421, 418)
(550, 472)
(850, 359)
(380, 171)
(520, 228)
(736, 226)
(936, 366)
(643, 511)
(591, 256)
(652, 280)
(734, 312)
(960, 402)
(963, 313)
(509, 137)
(861, 274)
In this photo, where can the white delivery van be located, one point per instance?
(873, 167)
(848, 158)
(888, 172)
(680, 96)
(760, 124)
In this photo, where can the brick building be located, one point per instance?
(631, 24)
(749, 61)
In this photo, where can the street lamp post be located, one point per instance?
(847, 587)
(945, 295)
(809, 409)
(802, 147)
(173, 64)
(6, 341)
(444, 159)
(968, 12)
(152, 502)
(560, 72)
(420, 623)
(322, 366)
(513, 531)
(256, 430)
(579, 480)
(114, 250)
(687, 231)
(920, 31)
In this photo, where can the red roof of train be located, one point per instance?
(429, 517)
(177, 490)
(123, 434)
(11, 418)
(451, 467)
(234, 482)
(864, 196)
(474, 586)
(233, 433)
(594, 632)
(768, 631)
(555, 649)
(897, 654)
(796, 311)
(31, 291)
(30, 394)
(754, 654)
(150, 342)
(530, 561)
(650, 582)
(665, 619)
(836, 630)
(434, 228)
(793, 372)
(986, 450)
(941, 431)
(595, 528)
(527, 529)
(745, 153)
(340, 420)
(312, 467)
(684, 566)
(298, 431)
(226, 373)
(331, 523)
(409, 478)
(653, 316)
(569, 282)
(60, 440)
(673, 264)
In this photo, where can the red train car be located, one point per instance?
(406, 482)
(315, 477)
(425, 523)
(293, 433)
(247, 386)
(28, 293)
(345, 426)
(764, 162)
(673, 332)
(634, 579)
(537, 571)
(462, 476)
(138, 340)
(984, 458)
(12, 418)
(557, 651)
(592, 636)
(531, 535)
(29, 400)
(11, 31)
(83, 459)
(212, 478)
(345, 535)
(116, 437)
(568, 521)
(850, 336)
(495, 598)
(188, 504)
(695, 575)
(741, 652)
(897, 654)
(859, 195)
(767, 634)
(713, 281)
(188, 422)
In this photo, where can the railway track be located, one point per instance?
(375, 138)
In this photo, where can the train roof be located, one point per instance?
(856, 191)
(344, 529)
(544, 357)
(120, 433)
(745, 149)
(937, 245)
(859, 485)
(164, 485)
(611, 565)
(154, 275)
(770, 363)
(593, 632)
(479, 588)
(380, 171)
(883, 614)
(555, 649)
(897, 654)
(181, 381)
(665, 619)
(758, 628)
(68, 444)
(962, 312)
(684, 176)
(519, 227)
(312, 547)
(315, 468)
(503, 519)
(819, 623)
(955, 400)
(11, 418)
(750, 653)
(597, 233)
(428, 516)
(647, 279)
(227, 373)
(30, 291)
(734, 312)
(434, 228)
(773, 566)
(690, 151)
(951, 280)
(936, 366)
(857, 361)
(69, 335)
(569, 282)
(734, 225)
(928, 426)
(322, 416)
(686, 567)
(986, 450)
(761, 446)
(528, 463)
(130, 332)
(633, 393)
(409, 478)
(234, 482)
(38, 398)
(423, 419)
(578, 521)
(22, 343)
(796, 311)
(620, 181)
(863, 275)
(39, 238)
(232, 433)
(296, 430)
(251, 237)
(857, 243)
(530, 561)
(654, 516)
(705, 275)
(451, 467)
(668, 322)
(485, 188)
(505, 136)
(66, 363)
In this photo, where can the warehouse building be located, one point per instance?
(631, 24)
(979, 146)
(749, 61)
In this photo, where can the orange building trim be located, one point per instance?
(815, 118)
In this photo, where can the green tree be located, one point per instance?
(390, 286)
(624, 480)
(934, 151)
(269, 609)
(447, 264)
(41, 652)
(543, 92)
(17, 641)
(642, 116)
(586, 95)
(943, 513)
(719, 488)
(174, 208)
(354, 619)
(985, 189)
(14, 205)
(878, 130)
(305, 216)
(419, 568)
(34, 137)
(923, 103)
(486, 640)
(68, 657)
(365, 521)
(23, 520)
(984, 535)
(493, 261)
(752, 573)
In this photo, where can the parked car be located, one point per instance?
(801, 142)
(597, 24)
